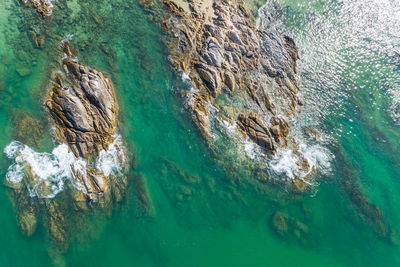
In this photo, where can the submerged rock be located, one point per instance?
(23, 71)
(279, 222)
(27, 213)
(37, 38)
(289, 228)
(143, 202)
(217, 45)
(369, 212)
(27, 129)
(55, 220)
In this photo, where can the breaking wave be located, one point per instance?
(46, 174)
(286, 162)
(111, 161)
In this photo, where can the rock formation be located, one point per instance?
(42, 7)
(84, 109)
(86, 169)
(217, 45)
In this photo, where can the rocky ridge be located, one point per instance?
(217, 45)
(84, 109)
(89, 154)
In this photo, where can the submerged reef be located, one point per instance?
(242, 78)
(369, 212)
(289, 228)
(87, 167)
(28, 129)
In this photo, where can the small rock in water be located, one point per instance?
(23, 71)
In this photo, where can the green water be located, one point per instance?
(202, 214)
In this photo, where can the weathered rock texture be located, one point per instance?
(83, 106)
(42, 7)
(216, 44)
(84, 109)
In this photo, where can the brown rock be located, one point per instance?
(218, 42)
(83, 106)
(211, 78)
(42, 7)
(230, 81)
(255, 128)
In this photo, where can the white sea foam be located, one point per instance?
(15, 173)
(190, 84)
(186, 78)
(50, 171)
(47, 3)
(285, 161)
(251, 149)
(265, 15)
(50, 5)
(229, 127)
(12, 149)
(79, 170)
(110, 161)
(68, 37)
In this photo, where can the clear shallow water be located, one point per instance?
(201, 215)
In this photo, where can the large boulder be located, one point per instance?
(84, 109)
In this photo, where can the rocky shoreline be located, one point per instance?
(217, 45)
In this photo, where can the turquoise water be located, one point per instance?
(199, 213)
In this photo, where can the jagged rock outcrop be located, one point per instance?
(42, 7)
(217, 45)
(254, 127)
(87, 167)
(83, 106)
